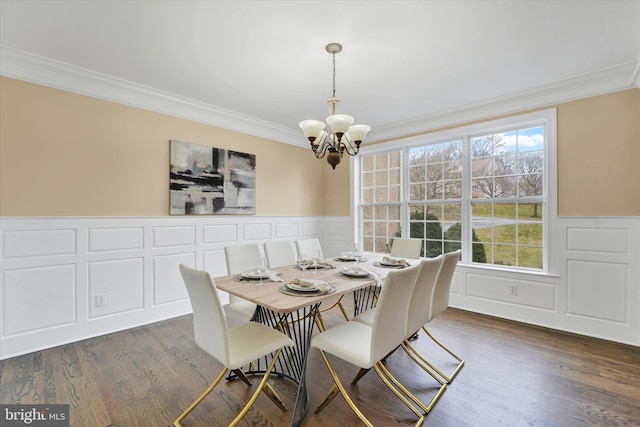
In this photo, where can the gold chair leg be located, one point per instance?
(344, 312)
(275, 398)
(339, 305)
(257, 392)
(333, 392)
(176, 423)
(242, 376)
(346, 397)
(390, 386)
(421, 361)
(432, 402)
(455, 356)
(361, 373)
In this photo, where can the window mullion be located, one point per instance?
(466, 202)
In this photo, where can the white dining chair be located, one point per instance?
(279, 253)
(417, 313)
(309, 246)
(235, 347)
(439, 303)
(241, 258)
(365, 346)
(406, 248)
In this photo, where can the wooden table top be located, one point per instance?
(269, 296)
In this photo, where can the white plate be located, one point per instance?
(393, 264)
(352, 273)
(346, 258)
(254, 275)
(299, 288)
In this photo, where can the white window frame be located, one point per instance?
(546, 118)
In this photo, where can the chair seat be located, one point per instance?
(350, 341)
(251, 341)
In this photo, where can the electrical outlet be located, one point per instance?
(513, 290)
(101, 300)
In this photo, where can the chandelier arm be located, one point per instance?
(321, 150)
(349, 146)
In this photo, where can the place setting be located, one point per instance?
(258, 274)
(390, 262)
(349, 256)
(307, 288)
(354, 272)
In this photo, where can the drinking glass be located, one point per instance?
(261, 268)
(315, 260)
(358, 254)
(303, 263)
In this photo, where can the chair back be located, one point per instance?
(209, 321)
(420, 303)
(390, 319)
(406, 248)
(440, 299)
(308, 246)
(242, 257)
(279, 253)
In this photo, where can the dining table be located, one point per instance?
(295, 310)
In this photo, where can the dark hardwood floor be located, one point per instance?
(515, 375)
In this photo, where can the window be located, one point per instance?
(483, 188)
(380, 209)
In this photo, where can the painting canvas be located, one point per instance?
(208, 180)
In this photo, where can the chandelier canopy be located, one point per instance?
(345, 136)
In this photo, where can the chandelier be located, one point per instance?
(346, 136)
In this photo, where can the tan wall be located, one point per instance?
(598, 154)
(63, 154)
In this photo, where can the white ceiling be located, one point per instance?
(405, 66)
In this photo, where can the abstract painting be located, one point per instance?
(208, 180)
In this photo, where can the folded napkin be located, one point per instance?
(325, 264)
(310, 283)
(394, 261)
(273, 276)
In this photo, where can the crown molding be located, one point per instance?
(44, 71)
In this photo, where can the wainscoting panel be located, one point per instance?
(67, 279)
(174, 236)
(511, 290)
(286, 230)
(37, 299)
(606, 283)
(115, 239)
(167, 281)
(257, 231)
(33, 243)
(115, 286)
(225, 233)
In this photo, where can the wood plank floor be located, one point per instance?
(515, 375)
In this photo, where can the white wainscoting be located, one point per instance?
(595, 291)
(67, 279)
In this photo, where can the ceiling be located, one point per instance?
(405, 66)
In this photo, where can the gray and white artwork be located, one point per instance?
(208, 180)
